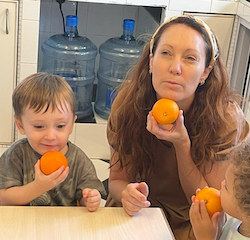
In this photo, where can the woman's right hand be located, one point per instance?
(175, 133)
(134, 198)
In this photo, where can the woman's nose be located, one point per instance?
(175, 66)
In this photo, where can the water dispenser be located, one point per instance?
(72, 57)
(117, 55)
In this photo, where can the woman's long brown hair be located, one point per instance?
(206, 116)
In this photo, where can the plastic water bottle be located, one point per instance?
(72, 57)
(117, 55)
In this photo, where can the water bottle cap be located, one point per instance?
(128, 24)
(71, 20)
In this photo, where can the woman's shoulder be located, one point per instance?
(236, 131)
(236, 118)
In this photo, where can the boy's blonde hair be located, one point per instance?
(41, 90)
(241, 170)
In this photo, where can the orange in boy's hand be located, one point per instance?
(51, 161)
(211, 196)
(165, 111)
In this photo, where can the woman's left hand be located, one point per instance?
(175, 133)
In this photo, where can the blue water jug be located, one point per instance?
(72, 57)
(117, 55)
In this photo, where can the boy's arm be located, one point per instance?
(22, 195)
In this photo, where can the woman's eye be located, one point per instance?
(165, 53)
(191, 58)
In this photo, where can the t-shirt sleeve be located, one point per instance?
(11, 169)
(88, 177)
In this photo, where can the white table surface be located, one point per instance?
(35, 223)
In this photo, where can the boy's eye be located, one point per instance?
(38, 127)
(60, 126)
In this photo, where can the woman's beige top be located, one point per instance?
(165, 190)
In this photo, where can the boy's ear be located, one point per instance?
(19, 125)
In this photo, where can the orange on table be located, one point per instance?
(51, 161)
(211, 196)
(165, 111)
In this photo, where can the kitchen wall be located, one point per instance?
(34, 27)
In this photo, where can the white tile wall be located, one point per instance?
(91, 138)
(29, 45)
(244, 10)
(31, 10)
(28, 38)
(192, 6)
(27, 69)
(224, 7)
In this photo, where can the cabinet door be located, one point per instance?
(8, 49)
(222, 26)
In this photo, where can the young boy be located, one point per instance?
(44, 106)
(235, 201)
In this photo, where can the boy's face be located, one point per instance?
(228, 200)
(47, 131)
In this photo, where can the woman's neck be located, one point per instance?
(186, 104)
(244, 229)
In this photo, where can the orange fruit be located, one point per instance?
(51, 161)
(165, 111)
(211, 196)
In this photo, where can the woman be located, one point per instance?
(157, 165)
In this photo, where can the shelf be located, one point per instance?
(155, 3)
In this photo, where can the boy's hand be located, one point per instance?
(44, 182)
(91, 199)
(204, 227)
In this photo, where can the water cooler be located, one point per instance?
(72, 57)
(117, 55)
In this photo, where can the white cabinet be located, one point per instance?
(222, 26)
(8, 49)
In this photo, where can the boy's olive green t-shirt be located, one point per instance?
(17, 169)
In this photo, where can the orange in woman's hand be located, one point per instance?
(165, 111)
(211, 196)
(51, 161)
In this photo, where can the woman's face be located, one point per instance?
(178, 64)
